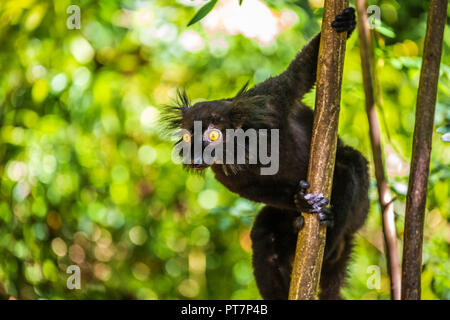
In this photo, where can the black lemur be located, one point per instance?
(276, 103)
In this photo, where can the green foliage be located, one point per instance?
(385, 30)
(86, 173)
(203, 12)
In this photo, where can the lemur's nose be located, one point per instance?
(197, 149)
(198, 160)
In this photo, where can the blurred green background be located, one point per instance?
(86, 172)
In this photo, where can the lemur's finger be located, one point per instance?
(298, 223)
(343, 27)
(339, 30)
(323, 202)
(344, 17)
(338, 24)
(326, 222)
(349, 11)
(303, 185)
(312, 198)
(326, 217)
(316, 199)
(327, 210)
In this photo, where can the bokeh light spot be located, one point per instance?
(189, 288)
(138, 235)
(59, 247)
(208, 199)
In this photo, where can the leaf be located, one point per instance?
(407, 62)
(385, 30)
(443, 129)
(240, 2)
(202, 12)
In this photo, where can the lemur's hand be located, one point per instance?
(313, 203)
(345, 22)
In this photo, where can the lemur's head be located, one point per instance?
(203, 125)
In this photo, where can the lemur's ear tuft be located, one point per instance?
(182, 101)
(172, 115)
(242, 91)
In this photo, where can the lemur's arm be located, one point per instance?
(301, 73)
(300, 76)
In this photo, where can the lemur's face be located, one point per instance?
(204, 126)
(210, 136)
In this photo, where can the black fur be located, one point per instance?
(276, 103)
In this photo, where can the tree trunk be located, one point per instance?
(384, 194)
(420, 163)
(311, 240)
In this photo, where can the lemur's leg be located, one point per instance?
(339, 234)
(350, 186)
(349, 201)
(274, 233)
(334, 270)
(274, 236)
(300, 76)
(349, 196)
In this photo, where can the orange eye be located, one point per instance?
(186, 137)
(214, 135)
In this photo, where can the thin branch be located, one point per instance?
(420, 163)
(311, 240)
(384, 194)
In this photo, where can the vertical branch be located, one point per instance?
(311, 240)
(420, 163)
(384, 194)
